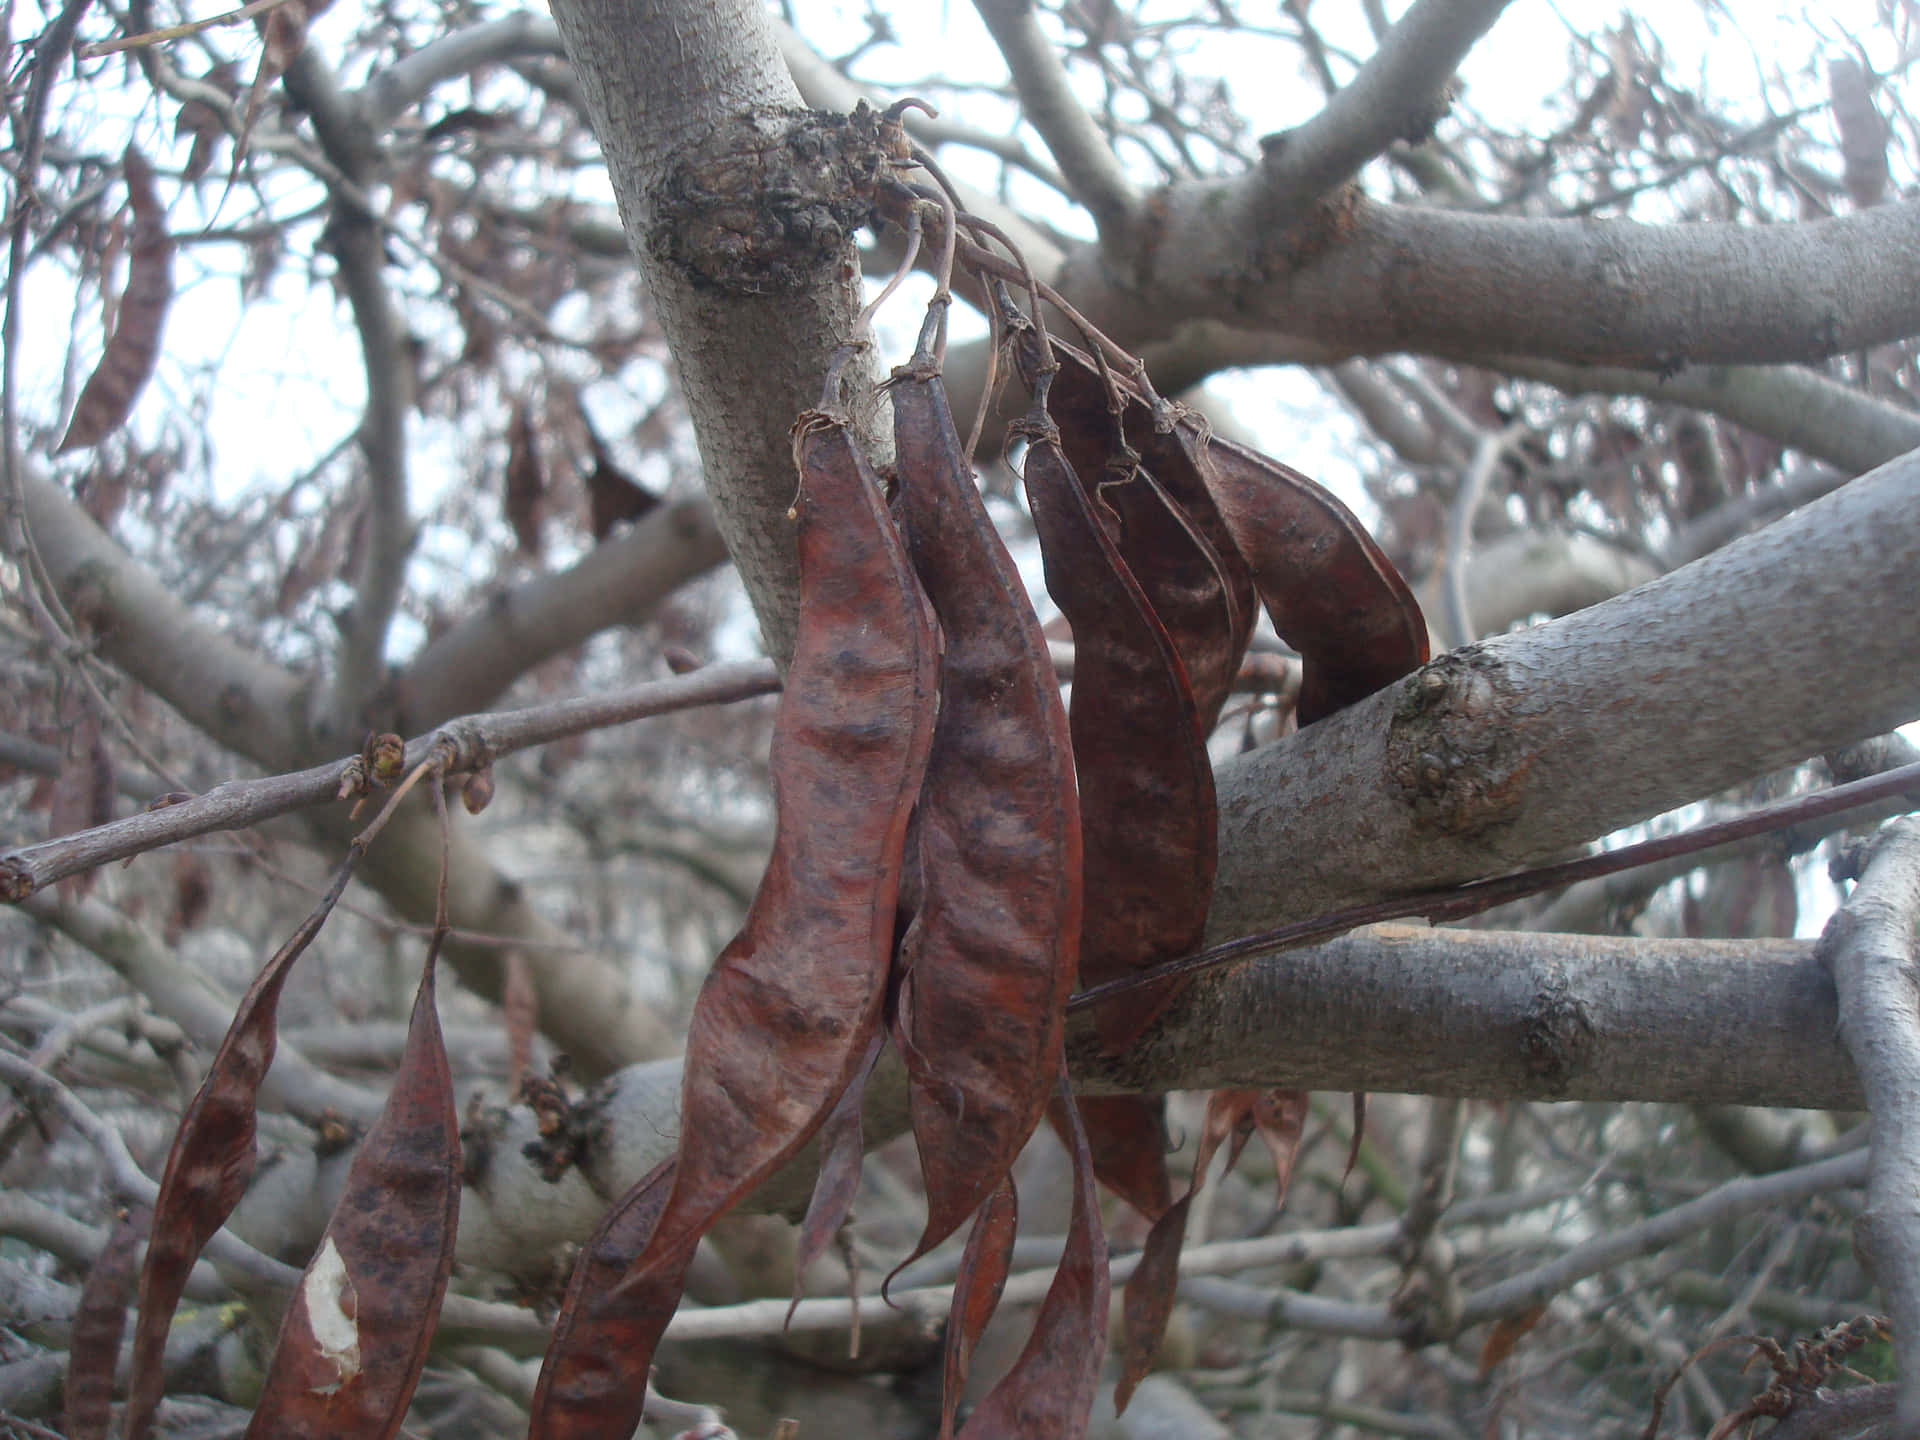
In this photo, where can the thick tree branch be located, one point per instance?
(1093, 172)
(1802, 410)
(1488, 759)
(1740, 514)
(358, 242)
(390, 93)
(1369, 278)
(293, 1084)
(1510, 1014)
(242, 701)
(1869, 945)
(1399, 94)
(683, 97)
(255, 709)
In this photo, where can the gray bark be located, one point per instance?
(694, 109)
(1784, 644)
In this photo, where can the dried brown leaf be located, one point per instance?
(526, 488)
(1505, 1336)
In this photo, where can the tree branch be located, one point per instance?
(1399, 94)
(681, 97)
(1093, 173)
(464, 745)
(294, 1084)
(355, 236)
(618, 582)
(230, 693)
(1802, 410)
(1869, 944)
(1503, 1014)
(1487, 759)
(390, 93)
(1369, 278)
(254, 709)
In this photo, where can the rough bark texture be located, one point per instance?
(740, 208)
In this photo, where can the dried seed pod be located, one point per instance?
(127, 361)
(588, 1374)
(789, 1010)
(1049, 1392)
(1146, 784)
(1332, 592)
(1171, 536)
(355, 1338)
(985, 969)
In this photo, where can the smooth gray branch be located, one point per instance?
(1093, 172)
(1507, 752)
(1399, 94)
(1869, 944)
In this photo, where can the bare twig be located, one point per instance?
(1398, 94)
(167, 33)
(247, 1267)
(1473, 490)
(1736, 1197)
(467, 744)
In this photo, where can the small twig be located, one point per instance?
(129, 1181)
(1438, 1312)
(176, 32)
(1725, 1202)
(1459, 901)
(471, 742)
(1466, 505)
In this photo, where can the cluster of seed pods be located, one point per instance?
(956, 850)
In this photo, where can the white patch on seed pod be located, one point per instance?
(333, 1314)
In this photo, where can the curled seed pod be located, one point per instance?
(211, 1160)
(789, 1010)
(985, 969)
(1331, 590)
(99, 1320)
(126, 364)
(984, 1265)
(842, 1149)
(587, 1375)
(1049, 1392)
